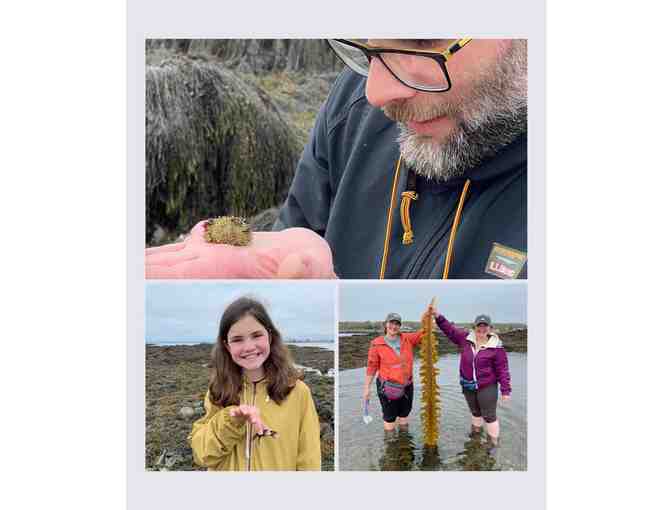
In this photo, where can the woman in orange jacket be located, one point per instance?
(391, 358)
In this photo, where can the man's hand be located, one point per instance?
(251, 415)
(367, 393)
(291, 253)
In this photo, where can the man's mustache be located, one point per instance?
(405, 111)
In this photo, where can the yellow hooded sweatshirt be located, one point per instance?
(218, 441)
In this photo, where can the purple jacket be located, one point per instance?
(491, 363)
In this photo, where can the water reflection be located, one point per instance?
(477, 455)
(400, 453)
(431, 460)
(398, 448)
(365, 447)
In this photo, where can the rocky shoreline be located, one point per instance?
(176, 379)
(353, 350)
(225, 123)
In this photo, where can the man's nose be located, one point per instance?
(382, 87)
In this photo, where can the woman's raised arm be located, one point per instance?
(456, 335)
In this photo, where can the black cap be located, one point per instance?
(393, 317)
(482, 319)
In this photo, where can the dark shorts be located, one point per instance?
(483, 402)
(393, 409)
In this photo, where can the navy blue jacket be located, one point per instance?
(343, 185)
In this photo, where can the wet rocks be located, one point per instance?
(353, 350)
(170, 459)
(186, 413)
(175, 386)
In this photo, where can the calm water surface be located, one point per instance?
(366, 448)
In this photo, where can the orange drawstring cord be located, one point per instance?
(453, 230)
(407, 196)
(388, 232)
(405, 210)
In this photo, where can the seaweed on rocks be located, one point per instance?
(176, 379)
(353, 350)
(215, 145)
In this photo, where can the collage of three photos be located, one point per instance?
(336, 255)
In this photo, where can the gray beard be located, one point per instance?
(493, 116)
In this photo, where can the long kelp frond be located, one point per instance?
(431, 404)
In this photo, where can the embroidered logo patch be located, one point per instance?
(505, 262)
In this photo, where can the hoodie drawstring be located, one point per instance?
(453, 230)
(248, 434)
(406, 198)
(388, 231)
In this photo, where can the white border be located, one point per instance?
(519, 490)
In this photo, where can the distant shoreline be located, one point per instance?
(353, 350)
(328, 345)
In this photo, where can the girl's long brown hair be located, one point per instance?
(226, 378)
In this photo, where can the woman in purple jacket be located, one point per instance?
(483, 364)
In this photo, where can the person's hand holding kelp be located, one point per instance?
(226, 248)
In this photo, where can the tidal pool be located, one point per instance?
(366, 448)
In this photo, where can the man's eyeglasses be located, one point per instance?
(421, 70)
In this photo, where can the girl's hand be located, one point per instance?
(291, 253)
(250, 414)
(506, 398)
(367, 393)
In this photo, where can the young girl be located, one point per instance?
(259, 415)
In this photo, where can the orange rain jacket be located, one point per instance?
(384, 360)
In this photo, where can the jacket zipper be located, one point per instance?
(473, 363)
(254, 399)
(401, 358)
(440, 234)
(249, 439)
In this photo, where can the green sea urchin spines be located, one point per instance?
(231, 230)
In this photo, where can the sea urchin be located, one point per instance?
(231, 230)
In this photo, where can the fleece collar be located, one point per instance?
(493, 341)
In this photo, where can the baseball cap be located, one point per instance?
(482, 319)
(393, 317)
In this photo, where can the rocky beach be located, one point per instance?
(225, 122)
(353, 349)
(176, 379)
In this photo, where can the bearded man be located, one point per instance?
(417, 163)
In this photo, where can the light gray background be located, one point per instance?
(201, 19)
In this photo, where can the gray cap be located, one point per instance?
(482, 319)
(393, 317)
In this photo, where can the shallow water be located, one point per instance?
(366, 448)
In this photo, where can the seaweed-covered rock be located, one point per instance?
(256, 55)
(215, 145)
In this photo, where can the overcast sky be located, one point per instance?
(187, 311)
(457, 301)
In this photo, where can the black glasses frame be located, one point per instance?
(439, 57)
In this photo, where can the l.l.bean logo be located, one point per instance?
(505, 262)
